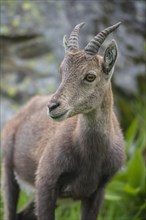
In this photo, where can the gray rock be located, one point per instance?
(8, 110)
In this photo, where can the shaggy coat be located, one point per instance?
(75, 151)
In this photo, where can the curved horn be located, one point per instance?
(73, 39)
(94, 45)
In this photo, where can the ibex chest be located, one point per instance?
(86, 182)
(90, 167)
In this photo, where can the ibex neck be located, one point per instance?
(97, 124)
(101, 117)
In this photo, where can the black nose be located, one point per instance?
(53, 105)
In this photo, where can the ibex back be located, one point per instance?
(77, 149)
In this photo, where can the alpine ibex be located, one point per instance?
(77, 149)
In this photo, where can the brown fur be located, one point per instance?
(74, 155)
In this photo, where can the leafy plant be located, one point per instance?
(126, 195)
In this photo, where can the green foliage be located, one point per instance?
(23, 200)
(126, 195)
(68, 211)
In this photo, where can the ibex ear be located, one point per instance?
(65, 42)
(110, 56)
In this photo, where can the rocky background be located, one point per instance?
(31, 48)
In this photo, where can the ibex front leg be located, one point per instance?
(47, 188)
(92, 205)
(45, 202)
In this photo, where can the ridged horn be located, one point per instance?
(94, 45)
(73, 42)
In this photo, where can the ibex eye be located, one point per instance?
(90, 77)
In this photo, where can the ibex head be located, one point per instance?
(85, 75)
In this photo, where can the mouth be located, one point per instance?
(59, 117)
